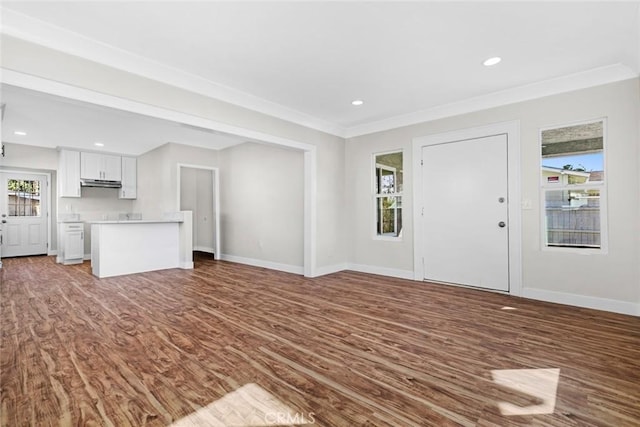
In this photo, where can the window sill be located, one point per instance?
(576, 251)
(387, 238)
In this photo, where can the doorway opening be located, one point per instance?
(199, 192)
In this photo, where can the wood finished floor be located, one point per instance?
(225, 342)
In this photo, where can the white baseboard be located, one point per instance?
(204, 249)
(59, 260)
(330, 269)
(52, 252)
(381, 271)
(187, 265)
(322, 271)
(616, 306)
(288, 268)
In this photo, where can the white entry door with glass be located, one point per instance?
(465, 219)
(24, 214)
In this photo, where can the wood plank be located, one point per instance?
(226, 341)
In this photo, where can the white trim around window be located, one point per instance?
(375, 195)
(600, 186)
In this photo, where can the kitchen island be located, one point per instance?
(135, 246)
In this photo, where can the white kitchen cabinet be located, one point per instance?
(129, 178)
(68, 173)
(72, 234)
(105, 167)
(112, 168)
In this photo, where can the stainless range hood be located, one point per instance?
(100, 183)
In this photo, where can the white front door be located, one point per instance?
(465, 221)
(24, 214)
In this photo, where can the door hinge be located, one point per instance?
(421, 162)
(423, 211)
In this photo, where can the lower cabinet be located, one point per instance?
(72, 237)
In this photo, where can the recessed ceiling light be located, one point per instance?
(357, 102)
(98, 144)
(20, 132)
(492, 61)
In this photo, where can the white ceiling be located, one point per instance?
(53, 121)
(306, 61)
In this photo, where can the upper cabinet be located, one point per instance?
(68, 173)
(104, 167)
(129, 178)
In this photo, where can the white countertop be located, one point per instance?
(137, 221)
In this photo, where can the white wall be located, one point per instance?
(39, 61)
(154, 188)
(262, 202)
(158, 176)
(613, 276)
(340, 195)
(27, 156)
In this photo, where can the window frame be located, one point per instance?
(25, 196)
(375, 195)
(601, 186)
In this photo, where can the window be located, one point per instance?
(388, 177)
(573, 186)
(23, 197)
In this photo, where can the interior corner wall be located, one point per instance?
(153, 176)
(158, 176)
(36, 60)
(604, 277)
(262, 205)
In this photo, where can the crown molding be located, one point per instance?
(582, 80)
(33, 30)
(42, 33)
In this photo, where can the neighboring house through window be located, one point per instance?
(23, 198)
(388, 182)
(573, 186)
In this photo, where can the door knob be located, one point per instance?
(4, 221)
(502, 224)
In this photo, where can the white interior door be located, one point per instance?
(465, 219)
(24, 214)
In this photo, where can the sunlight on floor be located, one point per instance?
(248, 406)
(540, 384)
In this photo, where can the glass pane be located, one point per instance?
(387, 181)
(389, 173)
(389, 216)
(23, 197)
(573, 218)
(573, 154)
